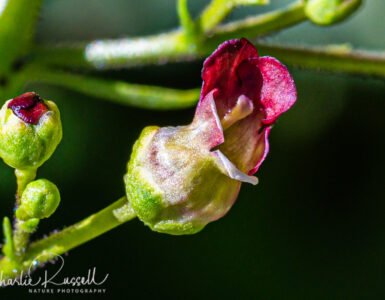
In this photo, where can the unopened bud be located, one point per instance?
(39, 200)
(30, 130)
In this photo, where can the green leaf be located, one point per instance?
(9, 247)
(17, 27)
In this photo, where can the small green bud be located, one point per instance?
(30, 130)
(327, 12)
(39, 200)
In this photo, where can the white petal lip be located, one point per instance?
(207, 110)
(232, 171)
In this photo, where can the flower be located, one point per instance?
(181, 178)
(30, 130)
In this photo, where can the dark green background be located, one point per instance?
(314, 228)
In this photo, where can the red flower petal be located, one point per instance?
(278, 90)
(221, 70)
(29, 107)
(235, 69)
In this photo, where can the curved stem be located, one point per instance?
(69, 238)
(138, 95)
(259, 25)
(218, 10)
(167, 47)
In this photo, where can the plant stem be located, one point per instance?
(337, 58)
(138, 95)
(23, 177)
(20, 236)
(259, 25)
(67, 239)
(185, 20)
(218, 10)
(167, 47)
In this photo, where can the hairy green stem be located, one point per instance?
(20, 235)
(20, 238)
(17, 27)
(167, 47)
(67, 239)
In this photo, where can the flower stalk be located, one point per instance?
(58, 243)
(167, 47)
(20, 235)
(105, 54)
(23, 177)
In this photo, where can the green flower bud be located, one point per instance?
(39, 200)
(326, 12)
(30, 130)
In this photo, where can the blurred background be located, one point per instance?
(314, 228)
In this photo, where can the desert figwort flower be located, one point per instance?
(181, 178)
(30, 130)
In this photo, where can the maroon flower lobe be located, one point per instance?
(250, 94)
(28, 107)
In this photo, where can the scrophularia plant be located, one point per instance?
(178, 179)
